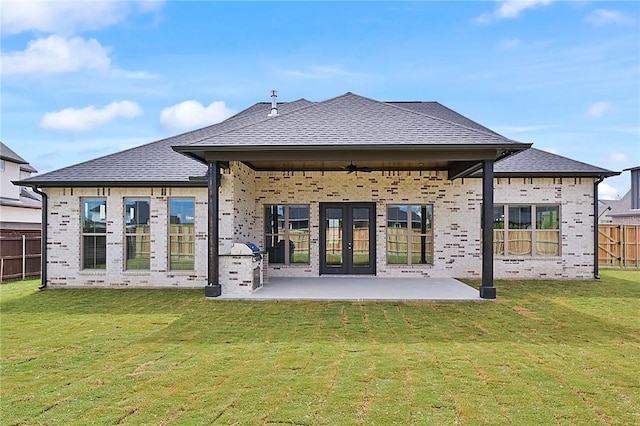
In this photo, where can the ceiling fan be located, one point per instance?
(353, 168)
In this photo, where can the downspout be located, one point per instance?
(596, 248)
(43, 239)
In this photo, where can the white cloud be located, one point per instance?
(55, 55)
(190, 115)
(77, 120)
(598, 109)
(601, 17)
(67, 17)
(510, 9)
(607, 192)
(618, 157)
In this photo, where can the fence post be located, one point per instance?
(24, 257)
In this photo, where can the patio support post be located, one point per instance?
(213, 288)
(487, 290)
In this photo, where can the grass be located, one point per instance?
(546, 352)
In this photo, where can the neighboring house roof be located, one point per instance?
(28, 199)
(622, 209)
(604, 206)
(8, 154)
(349, 120)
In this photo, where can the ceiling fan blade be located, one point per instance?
(353, 168)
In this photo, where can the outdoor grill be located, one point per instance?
(241, 268)
(246, 249)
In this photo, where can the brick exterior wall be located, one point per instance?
(64, 239)
(456, 222)
(457, 206)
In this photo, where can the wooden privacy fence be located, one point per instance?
(619, 245)
(19, 255)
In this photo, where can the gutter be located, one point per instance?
(596, 248)
(43, 239)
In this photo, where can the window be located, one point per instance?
(2, 165)
(410, 234)
(94, 233)
(547, 235)
(531, 230)
(181, 234)
(287, 226)
(137, 233)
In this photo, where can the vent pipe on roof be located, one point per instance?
(274, 104)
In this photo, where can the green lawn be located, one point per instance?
(544, 353)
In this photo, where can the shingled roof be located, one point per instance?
(8, 154)
(538, 163)
(154, 163)
(354, 120)
(348, 120)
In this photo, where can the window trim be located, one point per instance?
(287, 228)
(136, 234)
(170, 234)
(430, 234)
(84, 234)
(533, 231)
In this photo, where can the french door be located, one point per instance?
(347, 238)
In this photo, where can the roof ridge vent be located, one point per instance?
(274, 104)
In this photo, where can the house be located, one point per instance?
(322, 188)
(626, 210)
(20, 207)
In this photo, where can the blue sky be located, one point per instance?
(85, 79)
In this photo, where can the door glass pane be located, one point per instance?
(333, 225)
(360, 244)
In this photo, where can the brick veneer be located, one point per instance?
(456, 221)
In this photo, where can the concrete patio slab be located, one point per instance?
(361, 288)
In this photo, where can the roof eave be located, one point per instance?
(110, 184)
(204, 153)
(556, 174)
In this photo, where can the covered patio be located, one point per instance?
(363, 288)
(353, 134)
